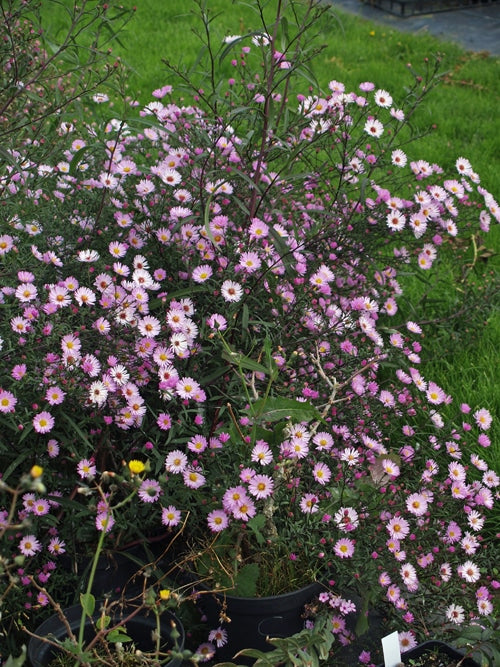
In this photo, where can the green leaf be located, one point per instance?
(277, 408)
(103, 622)
(238, 359)
(77, 158)
(118, 635)
(16, 662)
(262, 660)
(246, 580)
(256, 524)
(361, 624)
(245, 317)
(87, 600)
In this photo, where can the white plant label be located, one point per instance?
(392, 652)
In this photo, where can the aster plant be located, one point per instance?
(211, 283)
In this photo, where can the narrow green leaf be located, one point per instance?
(238, 359)
(277, 408)
(77, 158)
(245, 315)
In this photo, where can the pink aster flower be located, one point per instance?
(347, 519)
(56, 546)
(407, 640)
(187, 387)
(197, 444)
(398, 528)
(84, 296)
(322, 473)
(249, 262)
(217, 520)
(483, 418)
(29, 545)
(408, 574)
(435, 395)
(18, 372)
(309, 503)
(393, 593)
(484, 607)
(176, 461)
(52, 448)
(455, 613)
(86, 469)
(170, 516)
(43, 422)
(6, 243)
(344, 548)
(490, 479)
(205, 652)
(245, 510)
(445, 572)
(119, 375)
(261, 453)
(261, 486)
(26, 292)
(54, 395)
(41, 507)
(202, 273)
(7, 401)
(233, 497)
(416, 503)
(231, 291)
(192, 478)
(149, 491)
(164, 421)
(469, 571)
(374, 128)
(390, 468)
(104, 521)
(217, 321)
(483, 440)
(219, 636)
(149, 326)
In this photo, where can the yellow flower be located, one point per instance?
(164, 594)
(36, 471)
(136, 467)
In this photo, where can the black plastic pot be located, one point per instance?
(255, 619)
(139, 628)
(435, 646)
(116, 570)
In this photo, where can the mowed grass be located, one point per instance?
(459, 118)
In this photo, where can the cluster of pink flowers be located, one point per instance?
(182, 297)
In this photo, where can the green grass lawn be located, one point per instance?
(460, 118)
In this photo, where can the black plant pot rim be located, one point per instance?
(435, 645)
(40, 653)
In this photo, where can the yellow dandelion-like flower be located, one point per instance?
(36, 471)
(136, 467)
(164, 594)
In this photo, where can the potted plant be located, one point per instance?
(208, 290)
(114, 633)
(142, 612)
(436, 653)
